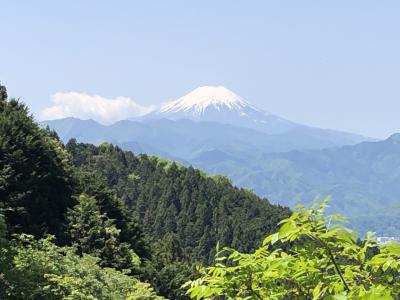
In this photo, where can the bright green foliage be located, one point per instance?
(182, 211)
(35, 188)
(42, 270)
(325, 261)
(92, 232)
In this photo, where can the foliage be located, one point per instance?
(4, 259)
(42, 270)
(92, 232)
(35, 187)
(182, 211)
(3, 93)
(168, 198)
(92, 183)
(325, 261)
(37, 183)
(167, 271)
(3, 231)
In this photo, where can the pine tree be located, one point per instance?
(3, 93)
(35, 187)
(92, 183)
(92, 232)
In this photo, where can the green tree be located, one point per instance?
(92, 183)
(3, 231)
(167, 270)
(3, 93)
(35, 187)
(324, 261)
(40, 270)
(92, 232)
(4, 256)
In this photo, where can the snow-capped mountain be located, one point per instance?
(218, 104)
(198, 101)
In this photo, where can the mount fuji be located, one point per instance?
(220, 105)
(206, 119)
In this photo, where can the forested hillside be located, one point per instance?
(168, 198)
(183, 212)
(86, 222)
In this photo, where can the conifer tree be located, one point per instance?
(35, 188)
(92, 232)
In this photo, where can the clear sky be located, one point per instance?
(332, 64)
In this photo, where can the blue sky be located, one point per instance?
(332, 64)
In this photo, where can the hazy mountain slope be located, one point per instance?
(207, 118)
(218, 104)
(183, 139)
(364, 179)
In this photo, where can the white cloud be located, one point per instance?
(83, 106)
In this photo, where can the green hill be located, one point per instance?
(168, 198)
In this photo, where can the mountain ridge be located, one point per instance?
(219, 104)
(282, 166)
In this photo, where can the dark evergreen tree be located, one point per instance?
(93, 184)
(35, 187)
(3, 93)
(92, 232)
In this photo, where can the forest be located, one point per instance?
(80, 221)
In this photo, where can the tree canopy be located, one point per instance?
(35, 177)
(324, 261)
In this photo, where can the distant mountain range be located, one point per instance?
(363, 179)
(218, 104)
(214, 129)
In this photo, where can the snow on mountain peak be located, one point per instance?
(203, 97)
(220, 105)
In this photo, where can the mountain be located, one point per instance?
(363, 180)
(184, 139)
(218, 104)
(207, 118)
